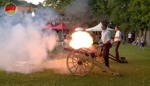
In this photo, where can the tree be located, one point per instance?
(116, 11)
(3, 2)
(57, 4)
(140, 12)
(40, 4)
(100, 10)
(119, 14)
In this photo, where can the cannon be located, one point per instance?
(81, 61)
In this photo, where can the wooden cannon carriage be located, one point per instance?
(82, 61)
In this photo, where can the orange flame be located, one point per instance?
(81, 39)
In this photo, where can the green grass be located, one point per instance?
(134, 73)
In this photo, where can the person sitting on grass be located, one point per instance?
(136, 41)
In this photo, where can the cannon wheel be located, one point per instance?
(78, 64)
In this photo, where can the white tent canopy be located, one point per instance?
(97, 28)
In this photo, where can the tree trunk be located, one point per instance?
(123, 40)
(144, 34)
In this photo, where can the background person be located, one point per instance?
(136, 41)
(129, 37)
(66, 42)
(117, 41)
(142, 43)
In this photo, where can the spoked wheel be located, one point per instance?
(78, 64)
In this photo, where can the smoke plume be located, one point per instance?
(23, 45)
(79, 9)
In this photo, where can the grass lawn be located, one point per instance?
(134, 73)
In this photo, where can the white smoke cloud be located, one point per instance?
(79, 11)
(78, 8)
(23, 45)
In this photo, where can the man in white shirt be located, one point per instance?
(129, 37)
(105, 40)
(117, 40)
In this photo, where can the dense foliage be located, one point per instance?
(129, 15)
